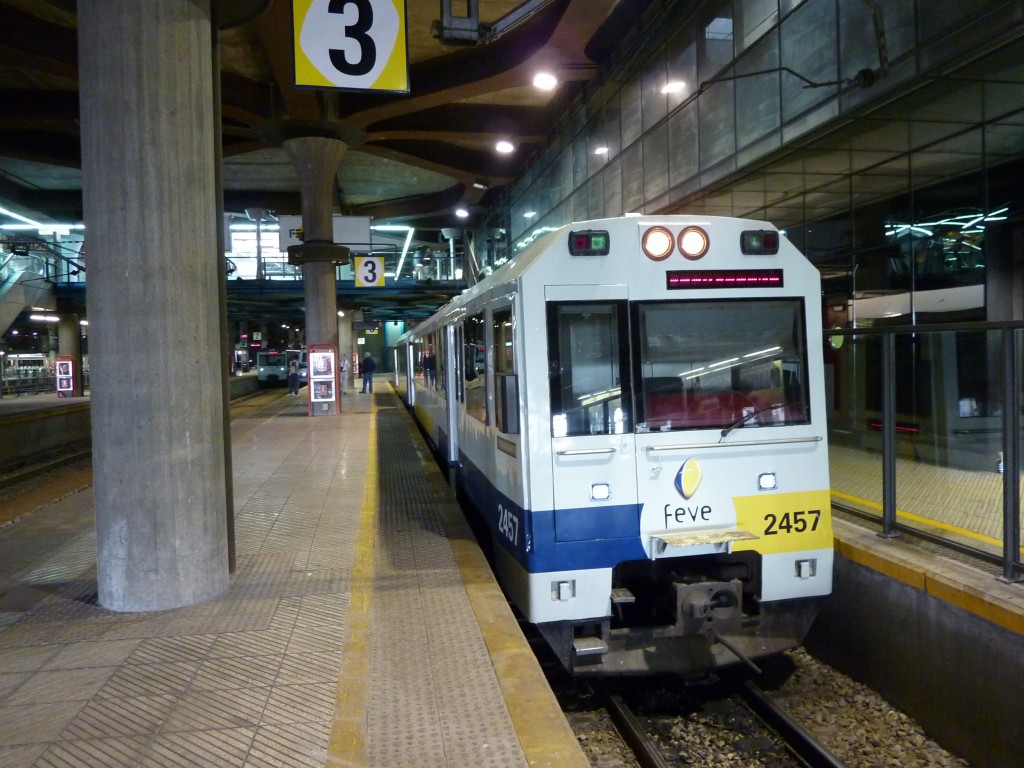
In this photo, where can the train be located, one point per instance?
(272, 367)
(633, 408)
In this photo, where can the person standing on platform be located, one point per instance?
(366, 370)
(343, 375)
(293, 378)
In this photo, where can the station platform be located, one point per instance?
(362, 626)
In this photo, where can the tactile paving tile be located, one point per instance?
(250, 678)
(448, 700)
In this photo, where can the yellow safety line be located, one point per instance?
(347, 745)
(538, 720)
(923, 520)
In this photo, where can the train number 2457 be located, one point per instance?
(508, 524)
(792, 522)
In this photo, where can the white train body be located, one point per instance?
(643, 434)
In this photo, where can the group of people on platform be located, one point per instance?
(366, 370)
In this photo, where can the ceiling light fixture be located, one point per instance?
(504, 147)
(601, 151)
(462, 213)
(674, 86)
(481, 184)
(545, 81)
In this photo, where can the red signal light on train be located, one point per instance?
(759, 242)
(590, 242)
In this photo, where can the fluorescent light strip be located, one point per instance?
(405, 250)
(19, 217)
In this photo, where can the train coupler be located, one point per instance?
(709, 608)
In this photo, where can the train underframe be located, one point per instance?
(688, 617)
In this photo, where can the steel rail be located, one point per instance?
(645, 750)
(801, 744)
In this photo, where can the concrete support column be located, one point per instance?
(345, 347)
(69, 342)
(316, 159)
(149, 192)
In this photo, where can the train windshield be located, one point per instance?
(273, 359)
(717, 364)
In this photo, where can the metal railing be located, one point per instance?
(36, 384)
(924, 430)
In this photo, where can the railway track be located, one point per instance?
(802, 748)
(42, 478)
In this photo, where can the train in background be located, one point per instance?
(272, 367)
(634, 408)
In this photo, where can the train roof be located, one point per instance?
(522, 261)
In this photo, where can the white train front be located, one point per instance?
(635, 407)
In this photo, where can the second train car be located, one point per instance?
(635, 408)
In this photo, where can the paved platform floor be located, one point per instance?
(359, 627)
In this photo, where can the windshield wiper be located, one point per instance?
(748, 416)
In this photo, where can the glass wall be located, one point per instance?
(891, 208)
(944, 438)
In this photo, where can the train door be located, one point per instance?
(405, 378)
(451, 377)
(592, 444)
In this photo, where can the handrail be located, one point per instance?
(732, 444)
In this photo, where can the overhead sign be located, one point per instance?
(351, 44)
(353, 231)
(369, 272)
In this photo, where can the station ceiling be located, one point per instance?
(942, 111)
(421, 154)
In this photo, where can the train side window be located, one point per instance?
(506, 384)
(437, 338)
(587, 348)
(474, 367)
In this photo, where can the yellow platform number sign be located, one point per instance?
(353, 44)
(369, 271)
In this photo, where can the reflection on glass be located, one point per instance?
(586, 369)
(719, 364)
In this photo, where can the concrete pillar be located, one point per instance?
(345, 346)
(146, 85)
(316, 159)
(69, 342)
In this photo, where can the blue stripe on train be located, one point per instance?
(554, 540)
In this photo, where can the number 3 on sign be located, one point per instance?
(369, 271)
(358, 44)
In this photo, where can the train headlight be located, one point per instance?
(657, 243)
(600, 492)
(693, 242)
(767, 481)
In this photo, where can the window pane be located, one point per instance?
(739, 362)
(475, 368)
(586, 369)
(506, 390)
(753, 20)
(809, 48)
(504, 340)
(440, 355)
(716, 48)
(758, 109)
(717, 123)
